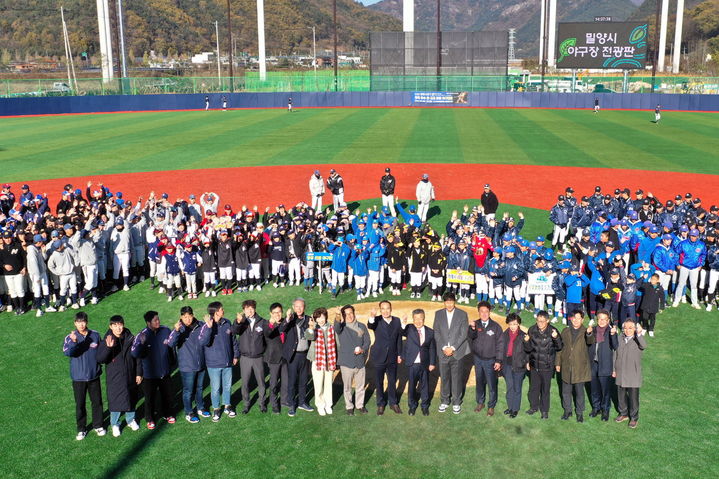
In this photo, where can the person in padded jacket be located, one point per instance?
(541, 343)
(186, 337)
(514, 363)
(123, 373)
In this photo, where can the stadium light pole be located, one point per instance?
(229, 43)
(121, 32)
(217, 42)
(545, 19)
(334, 27)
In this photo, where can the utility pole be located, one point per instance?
(656, 46)
(314, 53)
(334, 26)
(439, 48)
(229, 42)
(217, 42)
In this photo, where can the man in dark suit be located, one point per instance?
(420, 356)
(485, 341)
(385, 354)
(294, 352)
(273, 357)
(450, 333)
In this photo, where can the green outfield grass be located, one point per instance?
(676, 436)
(60, 146)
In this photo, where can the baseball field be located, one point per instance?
(265, 157)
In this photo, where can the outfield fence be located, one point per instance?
(352, 81)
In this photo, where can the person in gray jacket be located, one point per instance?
(84, 243)
(62, 263)
(353, 344)
(628, 371)
(450, 334)
(121, 247)
(37, 274)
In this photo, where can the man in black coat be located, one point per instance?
(485, 341)
(123, 373)
(490, 203)
(420, 356)
(385, 354)
(250, 328)
(387, 185)
(294, 352)
(541, 343)
(601, 362)
(273, 357)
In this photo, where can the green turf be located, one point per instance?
(676, 436)
(56, 147)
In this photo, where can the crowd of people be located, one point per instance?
(627, 257)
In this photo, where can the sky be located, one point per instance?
(369, 2)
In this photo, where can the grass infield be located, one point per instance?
(676, 437)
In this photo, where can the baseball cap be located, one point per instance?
(532, 245)
(688, 195)
(486, 185)
(617, 191)
(697, 201)
(614, 221)
(540, 239)
(56, 244)
(670, 203)
(647, 224)
(118, 221)
(317, 172)
(694, 232)
(631, 276)
(192, 197)
(228, 207)
(609, 244)
(332, 170)
(38, 239)
(564, 265)
(666, 237)
(411, 208)
(607, 197)
(654, 229)
(597, 189)
(560, 198)
(683, 228)
(386, 170)
(639, 192)
(615, 272)
(498, 250)
(165, 196)
(25, 187)
(68, 226)
(425, 176)
(510, 249)
(569, 189)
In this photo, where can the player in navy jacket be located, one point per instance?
(692, 254)
(221, 353)
(81, 347)
(152, 346)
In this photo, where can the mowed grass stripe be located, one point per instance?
(255, 144)
(483, 140)
(60, 158)
(384, 140)
(538, 142)
(656, 140)
(433, 139)
(327, 145)
(606, 141)
(216, 131)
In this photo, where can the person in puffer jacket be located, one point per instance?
(692, 254)
(62, 264)
(541, 343)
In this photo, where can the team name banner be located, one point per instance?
(318, 256)
(438, 97)
(459, 276)
(540, 283)
(604, 45)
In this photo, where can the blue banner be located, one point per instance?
(439, 97)
(318, 256)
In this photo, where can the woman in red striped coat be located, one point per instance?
(323, 355)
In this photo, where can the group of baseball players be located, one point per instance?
(606, 251)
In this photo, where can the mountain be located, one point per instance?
(187, 26)
(523, 15)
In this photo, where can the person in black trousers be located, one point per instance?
(541, 343)
(652, 302)
(385, 354)
(250, 328)
(294, 351)
(485, 341)
(514, 363)
(273, 357)
(601, 361)
(420, 356)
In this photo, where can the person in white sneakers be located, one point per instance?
(317, 190)
(62, 264)
(123, 374)
(425, 195)
(81, 347)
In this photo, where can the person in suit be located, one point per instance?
(628, 371)
(385, 353)
(572, 362)
(294, 351)
(273, 357)
(541, 343)
(420, 355)
(450, 334)
(514, 363)
(601, 361)
(354, 345)
(250, 329)
(485, 342)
